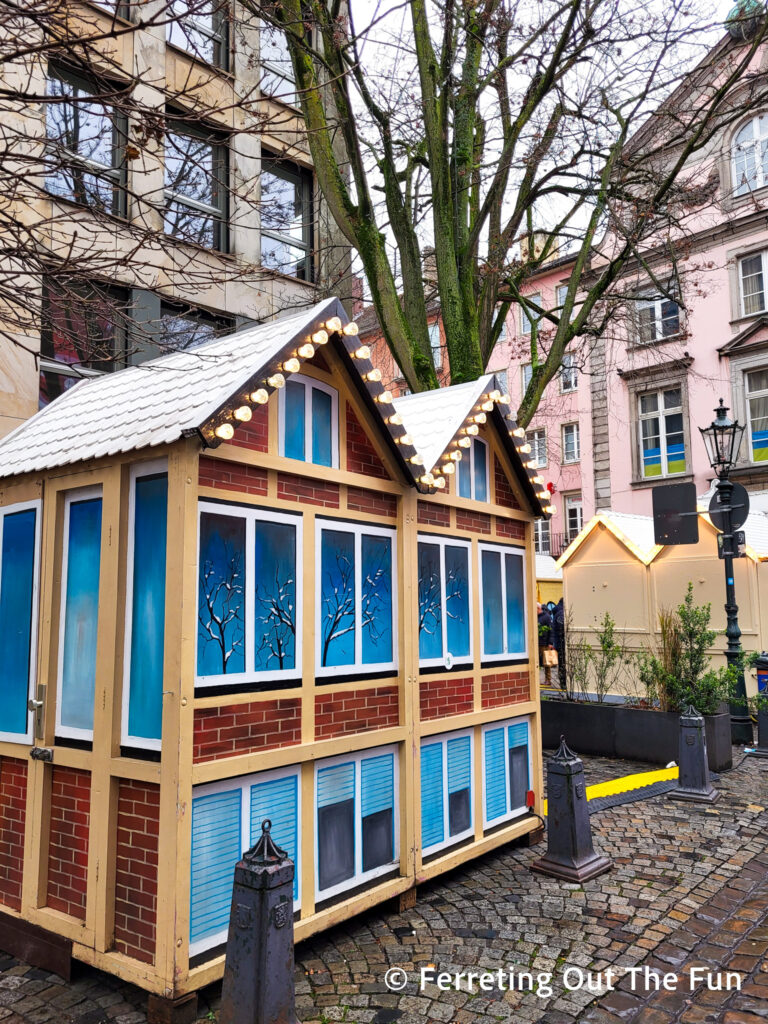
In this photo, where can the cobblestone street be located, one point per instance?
(689, 889)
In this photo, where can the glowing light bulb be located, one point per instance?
(351, 329)
(481, 417)
(292, 365)
(362, 353)
(320, 338)
(551, 509)
(440, 484)
(427, 479)
(385, 398)
(487, 406)
(396, 419)
(524, 448)
(225, 431)
(449, 468)
(404, 439)
(495, 395)
(334, 324)
(518, 432)
(465, 442)
(277, 380)
(374, 375)
(537, 479)
(306, 351)
(543, 495)
(473, 430)
(505, 399)
(243, 414)
(417, 460)
(260, 397)
(456, 456)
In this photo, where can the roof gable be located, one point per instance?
(753, 338)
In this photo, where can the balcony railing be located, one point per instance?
(556, 543)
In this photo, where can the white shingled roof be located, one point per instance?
(547, 568)
(154, 403)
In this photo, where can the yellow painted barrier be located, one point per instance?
(627, 783)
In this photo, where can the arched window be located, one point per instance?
(750, 156)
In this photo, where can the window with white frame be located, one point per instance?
(569, 373)
(309, 421)
(503, 632)
(249, 596)
(473, 471)
(658, 318)
(561, 294)
(502, 379)
(445, 586)
(356, 592)
(574, 516)
(19, 584)
(537, 439)
(752, 272)
(750, 155)
(507, 770)
(662, 435)
(356, 837)
(757, 414)
(226, 821)
(526, 376)
(446, 790)
(200, 28)
(525, 319)
(435, 344)
(570, 442)
(541, 537)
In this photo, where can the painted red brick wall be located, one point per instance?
(353, 711)
(68, 846)
(504, 493)
(510, 528)
(242, 728)
(359, 499)
(232, 476)
(439, 698)
(13, 812)
(255, 433)
(362, 457)
(138, 828)
(477, 522)
(506, 688)
(307, 491)
(430, 514)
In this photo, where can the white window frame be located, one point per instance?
(443, 739)
(468, 456)
(516, 812)
(661, 414)
(542, 529)
(435, 343)
(576, 446)
(441, 542)
(748, 396)
(310, 383)
(518, 552)
(757, 143)
(360, 877)
(357, 529)
(763, 254)
(244, 783)
(561, 293)
(22, 506)
(76, 495)
(251, 515)
(525, 322)
(573, 501)
(655, 302)
(569, 374)
(538, 443)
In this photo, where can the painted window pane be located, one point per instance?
(513, 568)
(430, 602)
(519, 780)
(81, 608)
(495, 775)
(432, 828)
(145, 705)
(322, 428)
(376, 615)
(465, 478)
(752, 284)
(216, 848)
(275, 577)
(651, 447)
(757, 390)
(278, 800)
(457, 601)
(480, 470)
(335, 824)
(675, 443)
(17, 571)
(459, 756)
(493, 634)
(338, 598)
(295, 425)
(221, 612)
(377, 799)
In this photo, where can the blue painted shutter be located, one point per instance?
(216, 848)
(17, 567)
(335, 784)
(377, 784)
(518, 734)
(480, 469)
(495, 775)
(459, 764)
(432, 811)
(278, 800)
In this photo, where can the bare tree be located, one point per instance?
(221, 605)
(277, 618)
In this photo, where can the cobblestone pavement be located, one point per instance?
(689, 889)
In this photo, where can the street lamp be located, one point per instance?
(722, 439)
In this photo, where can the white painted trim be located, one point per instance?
(514, 812)
(442, 543)
(443, 739)
(503, 549)
(310, 383)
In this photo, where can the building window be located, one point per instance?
(277, 78)
(473, 471)
(507, 770)
(502, 332)
(196, 187)
(502, 599)
(757, 406)
(200, 28)
(561, 295)
(19, 581)
(662, 440)
(537, 439)
(569, 373)
(145, 608)
(309, 421)
(226, 821)
(78, 624)
(286, 219)
(435, 344)
(541, 541)
(658, 318)
(445, 587)
(446, 790)
(527, 376)
(86, 145)
(574, 516)
(525, 319)
(183, 327)
(571, 442)
(249, 590)
(357, 820)
(752, 278)
(502, 380)
(750, 155)
(355, 598)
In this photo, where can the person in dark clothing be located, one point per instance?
(545, 637)
(558, 639)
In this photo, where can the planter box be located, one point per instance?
(634, 734)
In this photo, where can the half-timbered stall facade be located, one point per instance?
(242, 582)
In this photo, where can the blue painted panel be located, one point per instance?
(275, 597)
(464, 474)
(430, 597)
(145, 705)
(335, 784)
(216, 848)
(377, 784)
(322, 428)
(81, 609)
(459, 752)
(17, 568)
(221, 611)
(515, 604)
(278, 800)
(432, 813)
(518, 734)
(337, 598)
(493, 637)
(457, 601)
(295, 420)
(376, 611)
(480, 470)
(495, 775)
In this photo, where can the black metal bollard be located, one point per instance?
(258, 985)
(570, 854)
(693, 782)
(761, 750)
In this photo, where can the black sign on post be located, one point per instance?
(734, 544)
(739, 508)
(675, 519)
